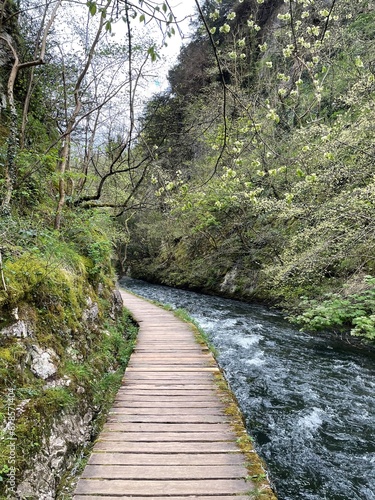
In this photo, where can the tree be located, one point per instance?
(14, 138)
(96, 81)
(281, 184)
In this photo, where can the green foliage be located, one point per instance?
(286, 208)
(355, 312)
(91, 234)
(113, 348)
(100, 253)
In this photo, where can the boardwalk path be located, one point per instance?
(167, 435)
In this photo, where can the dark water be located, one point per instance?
(309, 404)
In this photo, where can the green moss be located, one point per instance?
(256, 467)
(93, 379)
(12, 354)
(50, 279)
(106, 365)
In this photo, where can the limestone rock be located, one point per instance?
(91, 314)
(61, 382)
(44, 474)
(117, 304)
(18, 329)
(229, 284)
(43, 362)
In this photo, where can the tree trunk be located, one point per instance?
(13, 139)
(63, 166)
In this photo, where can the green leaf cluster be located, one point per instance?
(355, 312)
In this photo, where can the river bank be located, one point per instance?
(228, 289)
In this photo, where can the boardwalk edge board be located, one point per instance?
(175, 430)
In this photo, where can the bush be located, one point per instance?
(355, 313)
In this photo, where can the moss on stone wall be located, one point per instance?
(64, 344)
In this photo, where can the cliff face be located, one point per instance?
(59, 381)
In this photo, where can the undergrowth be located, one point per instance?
(354, 313)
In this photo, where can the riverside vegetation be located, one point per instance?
(252, 176)
(264, 185)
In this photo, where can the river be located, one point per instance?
(308, 402)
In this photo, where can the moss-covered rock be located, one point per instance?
(64, 344)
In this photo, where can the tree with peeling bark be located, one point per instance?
(14, 138)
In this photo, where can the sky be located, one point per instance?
(156, 80)
(183, 10)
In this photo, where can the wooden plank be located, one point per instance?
(175, 386)
(166, 378)
(172, 386)
(158, 437)
(171, 361)
(183, 459)
(195, 383)
(171, 392)
(165, 399)
(167, 375)
(167, 404)
(166, 355)
(166, 411)
(176, 364)
(149, 427)
(165, 447)
(164, 373)
(146, 345)
(164, 348)
(168, 419)
(168, 369)
(189, 497)
(164, 472)
(154, 488)
(129, 382)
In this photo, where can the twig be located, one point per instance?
(224, 85)
(2, 273)
(327, 21)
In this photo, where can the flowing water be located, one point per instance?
(308, 402)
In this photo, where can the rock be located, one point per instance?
(42, 362)
(72, 353)
(19, 330)
(117, 304)
(42, 478)
(58, 447)
(61, 382)
(27, 487)
(91, 314)
(229, 283)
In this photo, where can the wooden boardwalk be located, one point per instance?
(167, 435)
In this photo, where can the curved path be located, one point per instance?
(167, 435)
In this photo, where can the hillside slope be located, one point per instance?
(265, 189)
